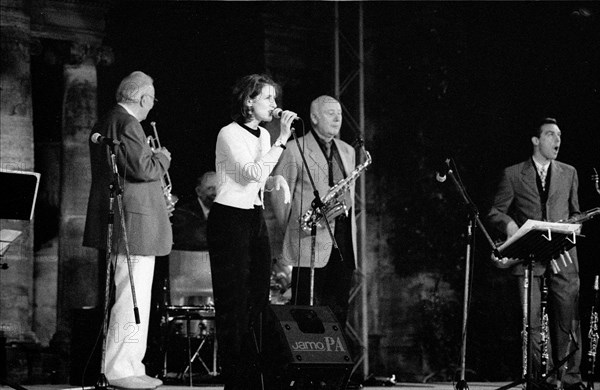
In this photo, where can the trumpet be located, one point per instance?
(170, 198)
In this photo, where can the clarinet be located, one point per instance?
(593, 336)
(544, 333)
(524, 332)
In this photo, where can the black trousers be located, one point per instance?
(333, 282)
(240, 262)
(332, 287)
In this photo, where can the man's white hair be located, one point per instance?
(133, 87)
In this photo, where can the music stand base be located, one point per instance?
(462, 385)
(529, 385)
(102, 383)
(590, 385)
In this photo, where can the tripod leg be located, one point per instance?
(197, 355)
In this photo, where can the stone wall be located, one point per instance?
(38, 290)
(16, 153)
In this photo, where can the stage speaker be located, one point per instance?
(303, 347)
(85, 353)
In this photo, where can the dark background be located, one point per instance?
(460, 80)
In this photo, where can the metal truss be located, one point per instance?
(349, 90)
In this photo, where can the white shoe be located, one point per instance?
(153, 381)
(131, 383)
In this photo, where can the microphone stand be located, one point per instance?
(316, 206)
(115, 190)
(474, 221)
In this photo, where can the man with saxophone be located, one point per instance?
(541, 188)
(145, 214)
(330, 160)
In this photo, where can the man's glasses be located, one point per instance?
(152, 97)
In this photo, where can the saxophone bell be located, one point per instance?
(334, 203)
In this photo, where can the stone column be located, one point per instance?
(77, 269)
(16, 153)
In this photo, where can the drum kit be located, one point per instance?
(194, 327)
(188, 326)
(187, 318)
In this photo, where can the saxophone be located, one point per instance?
(334, 203)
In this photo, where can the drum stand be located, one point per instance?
(197, 355)
(188, 313)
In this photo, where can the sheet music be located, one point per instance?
(7, 236)
(532, 224)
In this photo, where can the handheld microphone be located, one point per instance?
(99, 139)
(277, 113)
(441, 174)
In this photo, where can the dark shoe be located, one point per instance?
(575, 386)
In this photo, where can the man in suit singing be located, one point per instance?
(146, 220)
(330, 160)
(541, 188)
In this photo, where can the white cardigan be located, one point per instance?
(243, 164)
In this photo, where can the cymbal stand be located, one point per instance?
(115, 191)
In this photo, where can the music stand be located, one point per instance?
(18, 203)
(542, 242)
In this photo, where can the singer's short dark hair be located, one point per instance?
(248, 87)
(536, 130)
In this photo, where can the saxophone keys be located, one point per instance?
(568, 257)
(564, 261)
(554, 265)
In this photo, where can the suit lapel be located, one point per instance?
(555, 178)
(347, 164)
(528, 177)
(315, 153)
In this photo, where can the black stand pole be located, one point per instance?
(115, 191)
(526, 335)
(473, 221)
(462, 383)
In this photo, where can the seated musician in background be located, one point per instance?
(330, 160)
(541, 188)
(189, 219)
(180, 272)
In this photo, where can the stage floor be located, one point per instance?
(404, 386)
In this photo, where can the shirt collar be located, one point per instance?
(205, 209)
(128, 111)
(541, 166)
